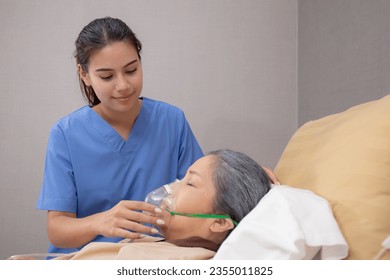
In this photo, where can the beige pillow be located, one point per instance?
(345, 158)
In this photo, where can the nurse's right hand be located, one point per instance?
(126, 220)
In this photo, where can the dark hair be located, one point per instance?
(240, 183)
(95, 36)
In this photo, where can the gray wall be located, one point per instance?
(343, 56)
(230, 65)
(234, 67)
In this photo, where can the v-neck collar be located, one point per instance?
(122, 146)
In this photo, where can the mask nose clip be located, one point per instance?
(168, 189)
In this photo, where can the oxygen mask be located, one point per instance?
(165, 198)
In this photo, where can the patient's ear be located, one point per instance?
(222, 225)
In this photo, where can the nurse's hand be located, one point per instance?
(126, 220)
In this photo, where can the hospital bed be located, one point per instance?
(334, 201)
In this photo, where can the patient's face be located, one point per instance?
(195, 195)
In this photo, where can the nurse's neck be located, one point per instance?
(122, 122)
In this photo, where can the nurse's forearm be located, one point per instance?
(127, 219)
(67, 231)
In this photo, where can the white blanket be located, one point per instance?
(288, 223)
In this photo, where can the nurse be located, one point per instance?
(103, 159)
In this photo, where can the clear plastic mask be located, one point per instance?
(165, 196)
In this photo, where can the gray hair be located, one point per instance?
(240, 183)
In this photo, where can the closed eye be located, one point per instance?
(131, 71)
(190, 184)
(106, 78)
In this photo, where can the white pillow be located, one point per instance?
(288, 223)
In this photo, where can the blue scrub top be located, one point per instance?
(90, 168)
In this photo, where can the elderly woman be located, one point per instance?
(199, 212)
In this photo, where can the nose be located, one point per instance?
(122, 83)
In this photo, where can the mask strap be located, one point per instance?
(216, 216)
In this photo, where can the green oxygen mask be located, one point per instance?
(165, 198)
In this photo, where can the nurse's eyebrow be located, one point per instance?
(109, 69)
